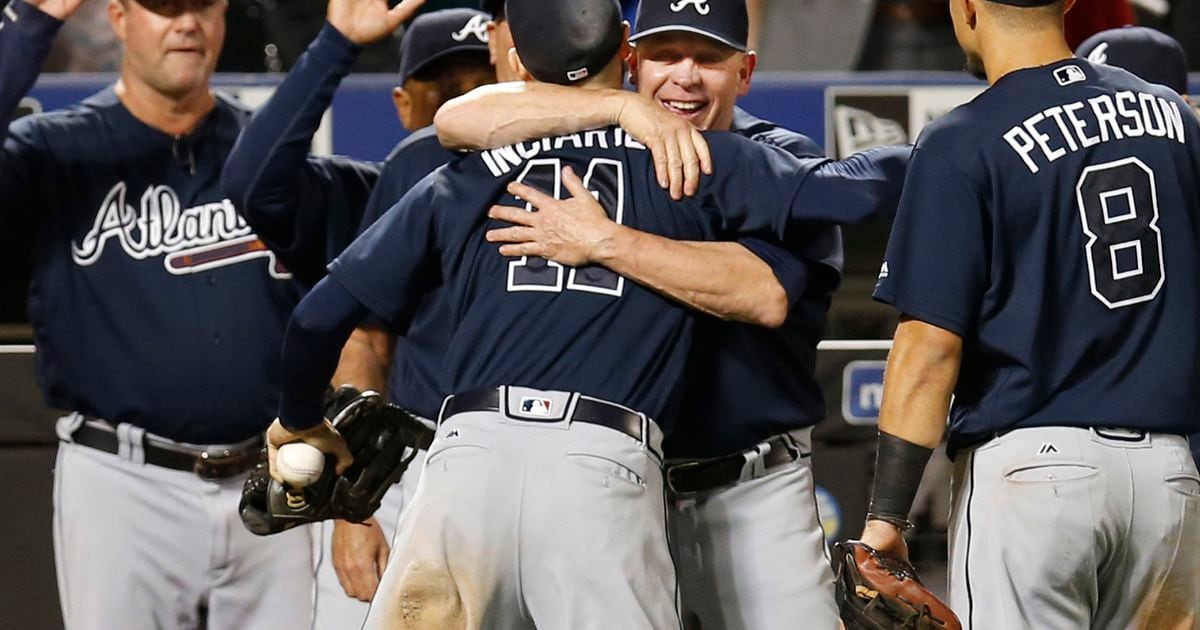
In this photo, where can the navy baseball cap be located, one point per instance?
(434, 35)
(565, 41)
(495, 8)
(723, 20)
(1152, 56)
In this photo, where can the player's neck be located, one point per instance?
(171, 115)
(1013, 52)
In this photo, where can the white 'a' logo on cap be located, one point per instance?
(701, 6)
(1099, 54)
(477, 26)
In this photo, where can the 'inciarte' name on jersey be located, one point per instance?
(206, 236)
(1063, 129)
(502, 161)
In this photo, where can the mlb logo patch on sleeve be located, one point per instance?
(1067, 75)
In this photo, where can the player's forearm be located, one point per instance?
(721, 279)
(319, 328)
(497, 115)
(365, 359)
(922, 370)
(272, 150)
(26, 33)
(860, 188)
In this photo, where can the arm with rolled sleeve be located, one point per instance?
(305, 208)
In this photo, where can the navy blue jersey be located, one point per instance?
(537, 324)
(306, 208)
(767, 132)
(1052, 223)
(413, 379)
(746, 383)
(152, 301)
(301, 204)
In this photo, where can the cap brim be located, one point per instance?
(688, 29)
(479, 48)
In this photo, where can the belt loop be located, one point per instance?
(754, 467)
(437, 422)
(131, 443)
(67, 425)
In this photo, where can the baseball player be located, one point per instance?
(1154, 57)
(444, 54)
(157, 314)
(563, 378)
(499, 39)
(1064, 325)
(747, 538)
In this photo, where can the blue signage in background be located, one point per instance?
(862, 391)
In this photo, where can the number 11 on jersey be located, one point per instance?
(605, 178)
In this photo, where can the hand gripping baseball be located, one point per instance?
(323, 436)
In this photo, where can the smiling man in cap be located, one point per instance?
(749, 548)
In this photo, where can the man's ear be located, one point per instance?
(970, 12)
(117, 12)
(403, 102)
(493, 54)
(746, 72)
(518, 68)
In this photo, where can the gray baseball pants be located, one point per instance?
(139, 546)
(752, 556)
(334, 610)
(1065, 528)
(532, 524)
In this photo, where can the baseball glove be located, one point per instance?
(876, 591)
(383, 438)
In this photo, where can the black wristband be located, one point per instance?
(899, 466)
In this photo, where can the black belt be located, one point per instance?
(206, 464)
(586, 410)
(702, 475)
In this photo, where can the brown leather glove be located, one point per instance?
(876, 591)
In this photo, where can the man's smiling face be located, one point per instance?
(692, 76)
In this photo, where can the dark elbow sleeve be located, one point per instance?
(319, 327)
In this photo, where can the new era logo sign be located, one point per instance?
(1067, 75)
(536, 406)
(701, 6)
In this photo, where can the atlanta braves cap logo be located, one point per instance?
(1099, 54)
(476, 26)
(701, 6)
(726, 21)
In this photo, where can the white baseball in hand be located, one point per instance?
(299, 464)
